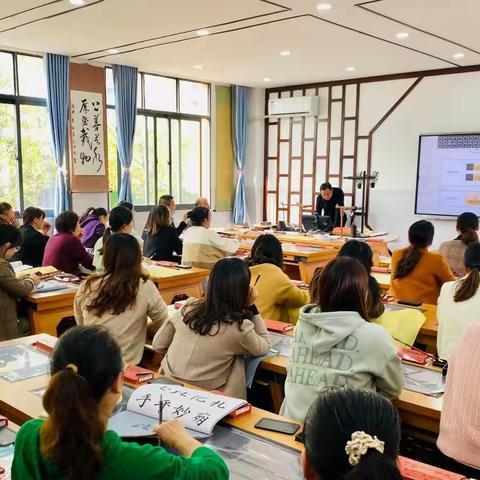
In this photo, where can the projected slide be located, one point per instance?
(448, 180)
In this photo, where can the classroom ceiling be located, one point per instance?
(246, 37)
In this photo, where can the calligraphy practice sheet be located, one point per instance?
(198, 410)
(86, 110)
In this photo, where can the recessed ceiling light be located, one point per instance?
(203, 32)
(285, 53)
(114, 50)
(324, 6)
(402, 35)
(77, 3)
(198, 67)
(350, 69)
(458, 55)
(266, 79)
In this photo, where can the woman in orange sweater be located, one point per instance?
(418, 274)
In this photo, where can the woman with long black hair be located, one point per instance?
(206, 341)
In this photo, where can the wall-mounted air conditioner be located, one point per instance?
(294, 106)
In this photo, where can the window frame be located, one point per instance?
(17, 101)
(169, 116)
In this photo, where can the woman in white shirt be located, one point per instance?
(459, 303)
(203, 247)
(120, 221)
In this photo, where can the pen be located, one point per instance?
(256, 280)
(160, 416)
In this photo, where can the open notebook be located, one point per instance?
(198, 410)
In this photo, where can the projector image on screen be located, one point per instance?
(448, 174)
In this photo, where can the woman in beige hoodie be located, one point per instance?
(206, 341)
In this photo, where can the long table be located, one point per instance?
(300, 261)
(378, 244)
(46, 310)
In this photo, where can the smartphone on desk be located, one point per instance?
(410, 303)
(277, 426)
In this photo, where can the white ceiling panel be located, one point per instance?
(247, 36)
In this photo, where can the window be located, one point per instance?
(27, 166)
(171, 150)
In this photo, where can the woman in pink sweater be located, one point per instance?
(460, 421)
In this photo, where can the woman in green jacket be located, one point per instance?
(74, 443)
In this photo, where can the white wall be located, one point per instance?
(441, 104)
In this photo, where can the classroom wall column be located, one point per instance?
(57, 75)
(239, 127)
(125, 84)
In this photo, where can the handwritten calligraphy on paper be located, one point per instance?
(86, 112)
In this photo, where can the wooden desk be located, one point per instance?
(300, 261)
(383, 280)
(174, 281)
(46, 310)
(19, 404)
(379, 245)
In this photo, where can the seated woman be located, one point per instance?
(460, 419)
(93, 223)
(130, 206)
(121, 298)
(459, 304)
(11, 288)
(34, 233)
(362, 252)
(7, 214)
(351, 433)
(278, 298)
(161, 240)
(206, 341)
(73, 441)
(418, 274)
(335, 344)
(203, 247)
(119, 221)
(454, 250)
(64, 250)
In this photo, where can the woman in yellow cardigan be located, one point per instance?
(278, 299)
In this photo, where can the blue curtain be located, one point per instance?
(57, 73)
(125, 84)
(239, 132)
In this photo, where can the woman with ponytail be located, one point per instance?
(74, 443)
(119, 221)
(459, 303)
(454, 250)
(351, 434)
(418, 274)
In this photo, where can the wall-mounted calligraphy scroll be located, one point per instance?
(86, 113)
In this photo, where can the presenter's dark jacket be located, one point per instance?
(328, 206)
(33, 246)
(163, 245)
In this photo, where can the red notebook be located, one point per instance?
(413, 470)
(136, 374)
(414, 356)
(46, 345)
(276, 326)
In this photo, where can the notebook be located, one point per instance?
(276, 326)
(198, 410)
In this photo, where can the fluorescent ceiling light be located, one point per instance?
(402, 35)
(203, 32)
(114, 50)
(324, 6)
(350, 69)
(77, 3)
(285, 53)
(198, 67)
(458, 55)
(266, 79)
